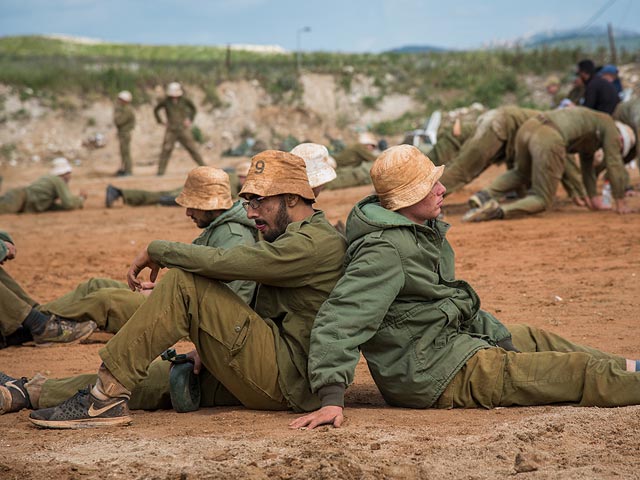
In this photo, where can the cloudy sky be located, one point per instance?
(336, 25)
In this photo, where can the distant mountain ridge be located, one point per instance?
(591, 38)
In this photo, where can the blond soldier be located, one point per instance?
(180, 112)
(259, 356)
(426, 341)
(50, 192)
(125, 120)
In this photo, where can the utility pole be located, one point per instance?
(299, 32)
(612, 45)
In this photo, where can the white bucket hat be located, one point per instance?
(317, 159)
(367, 138)
(125, 96)
(60, 166)
(628, 137)
(174, 89)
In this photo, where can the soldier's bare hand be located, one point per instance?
(12, 251)
(331, 414)
(142, 261)
(621, 207)
(194, 357)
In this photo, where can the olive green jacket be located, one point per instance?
(124, 118)
(400, 304)
(228, 230)
(505, 124)
(177, 112)
(44, 193)
(354, 155)
(295, 274)
(584, 131)
(629, 114)
(448, 145)
(4, 237)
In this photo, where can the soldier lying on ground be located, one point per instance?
(50, 192)
(353, 163)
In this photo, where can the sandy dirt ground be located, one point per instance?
(571, 271)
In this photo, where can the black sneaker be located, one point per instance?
(112, 195)
(13, 394)
(59, 330)
(83, 410)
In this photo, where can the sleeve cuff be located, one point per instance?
(156, 250)
(332, 395)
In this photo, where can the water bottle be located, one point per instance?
(606, 194)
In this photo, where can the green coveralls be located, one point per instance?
(41, 195)
(258, 353)
(353, 165)
(427, 342)
(541, 148)
(110, 303)
(494, 142)
(177, 110)
(125, 120)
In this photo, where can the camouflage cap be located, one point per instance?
(206, 188)
(403, 175)
(273, 172)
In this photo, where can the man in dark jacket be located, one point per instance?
(426, 341)
(599, 94)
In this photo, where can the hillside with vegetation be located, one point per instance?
(266, 95)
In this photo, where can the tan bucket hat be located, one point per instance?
(316, 157)
(273, 172)
(403, 175)
(206, 188)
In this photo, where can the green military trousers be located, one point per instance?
(549, 370)
(15, 304)
(171, 136)
(125, 151)
(475, 156)
(107, 302)
(13, 201)
(137, 198)
(351, 176)
(540, 163)
(235, 345)
(152, 393)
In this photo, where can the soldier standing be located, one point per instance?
(180, 112)
(125, 120)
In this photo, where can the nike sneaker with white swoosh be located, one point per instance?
(13, 394)
(84, 410)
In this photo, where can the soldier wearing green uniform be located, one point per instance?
(139, 198)
(426, 341)
(354, 162)
(257, 353)
(180, 112)
(629, 114)
(542, 145)
(109, 303)
(20, 317)
(494, 142)
(50, 192)
(125, 120)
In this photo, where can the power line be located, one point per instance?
(595, 16)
